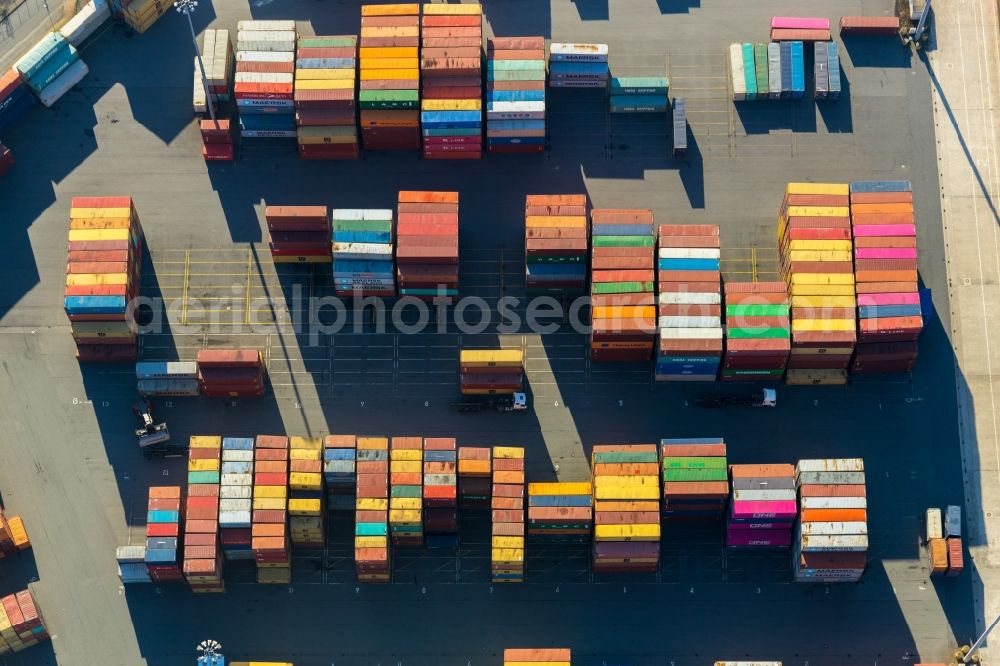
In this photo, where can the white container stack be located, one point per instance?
(93, 15)
(265, 73)
(578, 65)
(831, 541)
(168, 378)
(235, 498)
(132, 565)
(217, 56)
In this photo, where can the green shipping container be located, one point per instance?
(776, 373)
(756, 310)
(760, 58)
(639, 85)
(755, 333)
(362, 225)
(344, 42)
(625, 457)
(622, 287)
(406, 491)
(700, 462)
(695, 475)
(371, 529)
(203, 477)
(515, 65)
(622, 241)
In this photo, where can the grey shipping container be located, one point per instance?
(168, 387)
(952, 521)
(821, 74)
(786, 70)
(832, 477)
(833, 68)
(680, 127)
(774, 70)
(764, 484)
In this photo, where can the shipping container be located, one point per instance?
(763, 509)
(832, 537)
(427, 259)
(325, 105)
(451, 82)
(578, 65)
(507, 515)
(265, 99)
(627, 508)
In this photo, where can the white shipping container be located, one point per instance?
(236, 455)
(689, 253)
(691, 333)
(235, 492)
(763, 495)
(124, 554)
(833, 503)
(377, 214)
(690, 298)
(736, 72)
(520, 107)
(234, 519)
(827, 478)
(168, 370)
(338, 466)
(264, 56)
(266, 35)
(86, 22)
(831, 542)
(933, 527)
(235, 504)
(236, 479)
(831, 465)
(563, 52)
(364, 250)
(690, 322)
(264, 77)
(63, 83)
(236, 467)
(265, 26)
(841, 528)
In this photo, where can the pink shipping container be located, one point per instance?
(885, 230)
(799, 23)
(904, 298)
(885, 253)
(781, 510)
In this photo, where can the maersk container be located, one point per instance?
(578, 52)
(736, 72)
(774, 70)
(798, 70)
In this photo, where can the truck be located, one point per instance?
(766, 398)
(516, 402)
(154, 438)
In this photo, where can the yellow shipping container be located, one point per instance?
(823, 279)
(453, 10)
(205, 442)
(405, 503)
(818, 211)
(502, 542)
(271, 492)
(377, 52)
(311, 443)
(323, 75)
(820, 245)
(631, 493)
(500, 452)
(370, 542)
(305, 454)
(204, 465)
(406, 516)
(567, 488)
(451, 105)
(404, 466)
(818, 188)
(819, 255)
(305, 507)
(373, 443)
(398, 62)
(822, 290)
(101, 223)
(650, 532)
(327, 84)
(556, 221)
(394, 74)
(823, 302)
(93, 279)
(393, 31)
(102, 329)
(99, 213)
(508, 555)
(269, 503)
(803, 325)
(371, 504)
(98, 234)
(605, 481)
(403, 9)
(406, 454)
(305, 480)
(486, 358)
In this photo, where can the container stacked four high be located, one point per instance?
(515, 75)
(491, 372)
(578, 65)
(508, 515)
(406, 491)
(831, 540)
(885, 269)
(758, 331)
(102, 277)
(427, 245)
(689, 310)
(390, 76)
(265, 73)
(560, 513)
(363, 252)
(555, 244)
(325, 110)
(451, 107)
(371, 527)
(626, 508)
(202, 552)
(298, 234)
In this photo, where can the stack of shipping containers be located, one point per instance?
(536, 657)
(132, 565)
(167, 378)
(555, 244)
(298, 234)
(270, 543)
(427, 245)
(236, 498)
(406, 491)
(507, 504)
(306, 514)
(515, 72)
(48, 60)
(13, 536)
(639, 94)
(826, 70)
(560, 512)
(371, 529)
(21, 623)
(362, 252)
(695, 479)
(689, 303)
(578, 65)
(141, 14)
(814, 241)
(763, 509)
(626, 508)
(340, 471)
(202, 554)
(475, 472)
(440, 492)
(217, 140)
(767, 71)
(758, 331)
(265, 72)
(451, 81)
(325, 111)
(217, 57)
(231, 373)
(885, 271)
(831, 542)
(802, 28)
(491, 372)
(390, 76)
(102, 277)
(163, 534)
(622, 279)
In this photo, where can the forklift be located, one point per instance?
(153, 437)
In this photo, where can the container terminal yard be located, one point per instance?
(424, 572)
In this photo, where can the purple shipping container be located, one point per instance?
(756, 525)
(758, 539)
